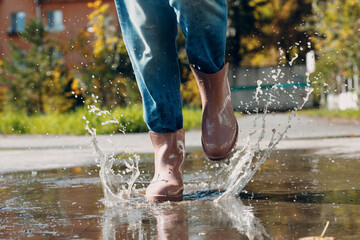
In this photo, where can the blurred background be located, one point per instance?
(59, 56)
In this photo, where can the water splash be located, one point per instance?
(243, 219)
(232, 175)
(117, 186)
(242, 166)
(258, 90)
(293, 59)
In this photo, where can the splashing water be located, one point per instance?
(231, 176)
(258, 90)
(243, 219)
(117, 187)
(244, 163)
(293, 59)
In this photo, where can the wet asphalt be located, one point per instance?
(29, 152)
(50, 187)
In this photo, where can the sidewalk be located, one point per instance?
(35, 152)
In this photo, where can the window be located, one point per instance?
(17, 23)
(55, 21)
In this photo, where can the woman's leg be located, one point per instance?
(149, 30)
(203, 22)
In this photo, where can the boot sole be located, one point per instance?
(164, 198)
(228, 153)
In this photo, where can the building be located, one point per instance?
(62, 18)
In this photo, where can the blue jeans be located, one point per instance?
(149, 30)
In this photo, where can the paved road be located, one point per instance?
(29, 152)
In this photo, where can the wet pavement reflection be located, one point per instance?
(293, 195)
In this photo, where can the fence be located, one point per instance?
(280, 88)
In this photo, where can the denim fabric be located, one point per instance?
(149, 30)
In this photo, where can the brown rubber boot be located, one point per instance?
(219, 125)
(167, 184)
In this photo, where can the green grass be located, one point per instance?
(72, 123)
(343, 114)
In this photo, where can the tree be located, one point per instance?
(286, 31)
(3, 88)
(36, 77)
(107, 71)
(259, 28)
(335, 26)
(241, 24)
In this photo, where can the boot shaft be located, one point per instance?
(219, 126)
(169, 150)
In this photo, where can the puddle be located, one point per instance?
(292, 195)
